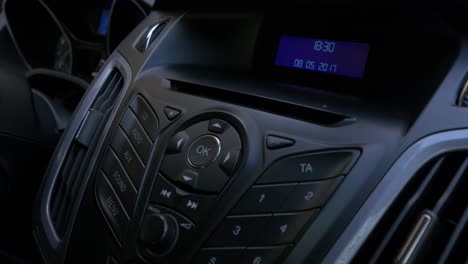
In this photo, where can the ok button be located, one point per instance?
(203, 151)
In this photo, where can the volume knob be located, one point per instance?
(159, 233)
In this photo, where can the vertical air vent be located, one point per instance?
(429, 221)
(71, 175)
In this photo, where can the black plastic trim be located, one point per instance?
(52, 247)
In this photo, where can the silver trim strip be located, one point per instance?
(413, 239)
(367, 218)
(462, 94)
(150, 33)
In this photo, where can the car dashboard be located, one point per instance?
(301, 133)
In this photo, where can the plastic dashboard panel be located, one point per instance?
(54, 247)
(375, 135)
(426, 140)
(256, 157)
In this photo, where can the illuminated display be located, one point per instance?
(326, 56)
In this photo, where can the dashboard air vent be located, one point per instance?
(71, 176)
(429, 221)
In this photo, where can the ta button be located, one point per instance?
(203, 151)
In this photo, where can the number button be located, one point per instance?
(219, 256)
(284, 228)
(263, 255)
(264, 199)
(257, 260)
(238, 230)
(261, 199)
(310, 195)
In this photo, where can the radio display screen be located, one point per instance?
(341, 58)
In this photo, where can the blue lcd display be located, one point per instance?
(320, 55)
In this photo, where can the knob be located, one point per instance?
(159, 233)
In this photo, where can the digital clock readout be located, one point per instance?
(333, 57)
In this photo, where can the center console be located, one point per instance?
(215, 144)
(250, 194)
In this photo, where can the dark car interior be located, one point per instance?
(225, 132)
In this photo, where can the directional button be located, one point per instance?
(178, 142)
(229, 161)
(214, 155)
(275, 142)
(188, 178)
(217, 126)
(171, 113)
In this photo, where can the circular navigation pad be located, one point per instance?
(203, 151)
(203, 156)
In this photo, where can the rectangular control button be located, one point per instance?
(137, 135)
(127, 155)
(310, 167)
(164, 193)
(239, 230)
(195, 206)
(263, 255)
(111, 207)
(264, 199)
(219, 255)
(119, 180)
(284, 228)
(146, 116)
(310, 195)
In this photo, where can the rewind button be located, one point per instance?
(164, 193)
